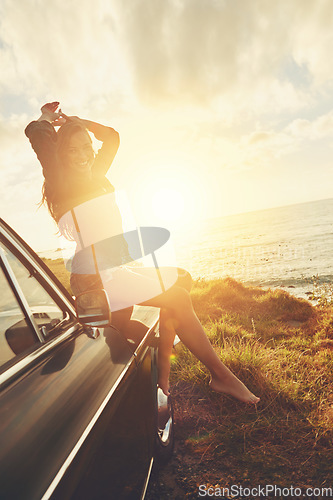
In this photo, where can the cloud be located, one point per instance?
(246, 53)
(313, 37)
(13, 143)
(66, 50)
(263, 146)
(234, 56)
(320, 128)
(215, 79)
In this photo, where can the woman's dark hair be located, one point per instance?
(58, 185)
(64, 136)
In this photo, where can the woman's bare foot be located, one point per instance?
(163, 372)
(231, 385)
(164, 385)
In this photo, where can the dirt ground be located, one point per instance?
(169, 482)
(180, 477)
(194, 462)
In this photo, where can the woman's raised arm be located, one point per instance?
(43, 137)
(50, 114)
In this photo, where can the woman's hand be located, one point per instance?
(74, 119)
(50, 114)
(56, 118)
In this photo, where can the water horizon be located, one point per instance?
(284, 247)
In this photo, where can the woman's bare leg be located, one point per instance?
(192, 334)
(167, 337)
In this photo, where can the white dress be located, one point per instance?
(133, 266)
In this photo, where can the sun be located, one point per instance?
(168, 190)
(168, 205)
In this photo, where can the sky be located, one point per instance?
(222, 106)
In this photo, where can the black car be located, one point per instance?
(81, 416)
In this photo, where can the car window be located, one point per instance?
(16, 336)
(46, 312)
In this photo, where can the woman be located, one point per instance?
(73, 175)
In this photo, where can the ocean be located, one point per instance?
(287, 247)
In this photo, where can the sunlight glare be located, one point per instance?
(168, 205)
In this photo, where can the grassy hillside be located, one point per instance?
(281, 347)
(57, 266)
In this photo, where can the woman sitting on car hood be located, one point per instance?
(75, 177)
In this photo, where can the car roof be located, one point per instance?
(8, 232)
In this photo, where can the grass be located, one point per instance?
(57, 266)
(281, 348)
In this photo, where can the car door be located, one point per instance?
(61, 384)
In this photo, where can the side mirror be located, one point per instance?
(93, 308)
